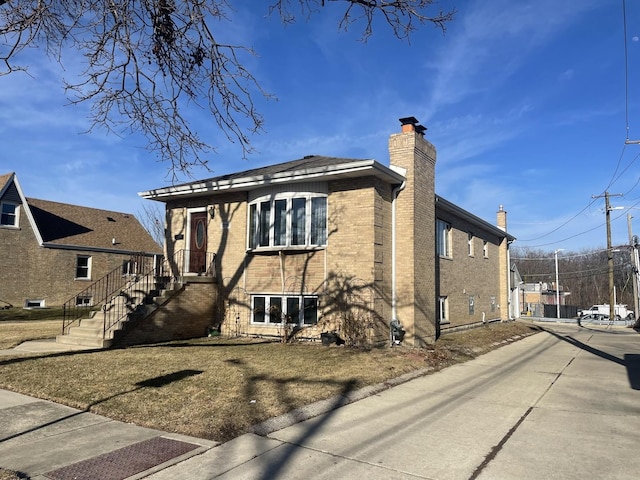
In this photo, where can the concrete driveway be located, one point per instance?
(561, 404)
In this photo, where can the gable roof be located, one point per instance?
(4, 182)
(309, 168)
(61, 225)
(73, 225)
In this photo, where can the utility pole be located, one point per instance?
(612, 293)
(557, 284)
(634, 262)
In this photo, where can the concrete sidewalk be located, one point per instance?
(561, 404)
(44, 440)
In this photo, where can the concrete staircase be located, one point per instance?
(115, 314)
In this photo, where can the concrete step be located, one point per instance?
(89, 332)
(87, 342)
(85, 332)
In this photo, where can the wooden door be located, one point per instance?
(198, 246)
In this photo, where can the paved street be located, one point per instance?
(562, 404)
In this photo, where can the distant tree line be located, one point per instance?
(583, 273)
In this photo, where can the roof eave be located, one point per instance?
(471, 218)
(333, 172)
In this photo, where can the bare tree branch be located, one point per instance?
(148, 60)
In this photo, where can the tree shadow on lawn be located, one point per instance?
(155, 382)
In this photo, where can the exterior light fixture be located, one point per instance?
(212, 212)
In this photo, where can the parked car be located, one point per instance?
(620, 311)
(590, 317)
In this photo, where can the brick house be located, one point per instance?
(323, 243)
(51, 251)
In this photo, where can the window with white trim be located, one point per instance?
(298, 310)
(83, 267)
(470, 244)
(485, 249)
(129, 267)
(443, 237)
(84, 301)
(31, 303)
(443, 309)
(287, 220)
(8, 214)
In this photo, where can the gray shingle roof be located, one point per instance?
(73, 225)
(308, 162)
(4, 179)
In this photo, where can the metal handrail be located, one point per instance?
(96, 294)
(120, 293)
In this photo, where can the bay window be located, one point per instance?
(288, 220)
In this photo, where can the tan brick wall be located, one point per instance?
(504, 267)
(358, 250)
(29, 271)
(188, 314)
(463, 276)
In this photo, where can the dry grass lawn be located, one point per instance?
(13, 333)
(217, 388)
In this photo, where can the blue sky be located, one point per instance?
(526, 103)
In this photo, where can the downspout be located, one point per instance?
(394, 195)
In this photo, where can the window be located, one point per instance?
(443, 310)
(34, 303)
(83, 267)
(84, 301)
(8, 214)
(470, 243)
(443, 232)
(296, 221)
(129, 267)
(275, 309)
(485, 249)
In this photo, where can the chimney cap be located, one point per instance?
(408, 120)
(420, 129)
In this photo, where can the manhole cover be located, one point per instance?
(125, 462)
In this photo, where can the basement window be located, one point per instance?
(443, 310)
(84, 301)
(29, 303)
(297, 310)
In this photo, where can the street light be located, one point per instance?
(557, 284)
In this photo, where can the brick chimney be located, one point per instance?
(415, 233)
(504, 267)
(502, 219)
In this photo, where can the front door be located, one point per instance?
(198, 247)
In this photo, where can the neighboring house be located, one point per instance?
(323, 243)
(51, 251)
(536, 296)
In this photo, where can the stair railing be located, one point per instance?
(128, 288)
(147, 284)
(96, 295)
